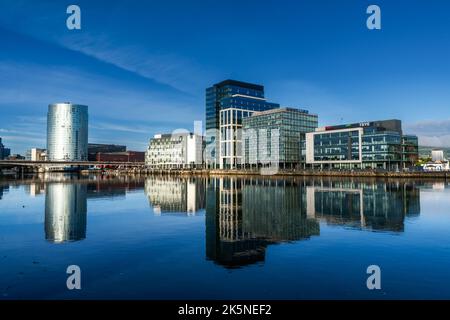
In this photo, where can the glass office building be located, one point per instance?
(67, 132)
(366, 145)
(277, 136)
(227, 103)
(410, 150)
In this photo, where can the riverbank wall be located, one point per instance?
(284, 173)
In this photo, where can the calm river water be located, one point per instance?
(163, 237)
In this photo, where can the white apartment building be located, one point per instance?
(36, 154)
(175, 151)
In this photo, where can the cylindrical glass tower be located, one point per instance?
(67, 132)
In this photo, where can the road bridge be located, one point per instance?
(41, 166)
(28, 163)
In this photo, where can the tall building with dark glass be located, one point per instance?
(227, 103)
(4, 152)
(365, 145)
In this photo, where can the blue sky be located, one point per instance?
(142, 66)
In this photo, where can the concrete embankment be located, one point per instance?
(374, 174)
(281, 173)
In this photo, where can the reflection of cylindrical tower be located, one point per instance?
(67, 132)
(65, 212)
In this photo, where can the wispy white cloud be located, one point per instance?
(117, 110)
(431, 127)
(434, 133)
(120, 128)
(28, 119)
(171, 69)
(435, 141)
(122, 107)
(30, 84)
(180, 72)
(24, 133)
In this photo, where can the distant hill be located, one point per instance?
(426, 151)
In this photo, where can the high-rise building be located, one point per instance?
(2, 148)
(277, 137)
(376, 144)
(67, 132)
(4, 152)
(227, 103)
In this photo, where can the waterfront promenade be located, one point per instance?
(111, 168)
(318, 173)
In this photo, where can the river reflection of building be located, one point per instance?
(98, 188)
(377, 206)
(244, 216)
(35, 189)
(3, 189)
(113, 188)
(66, 202)
(65, 212)
(175, 194)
